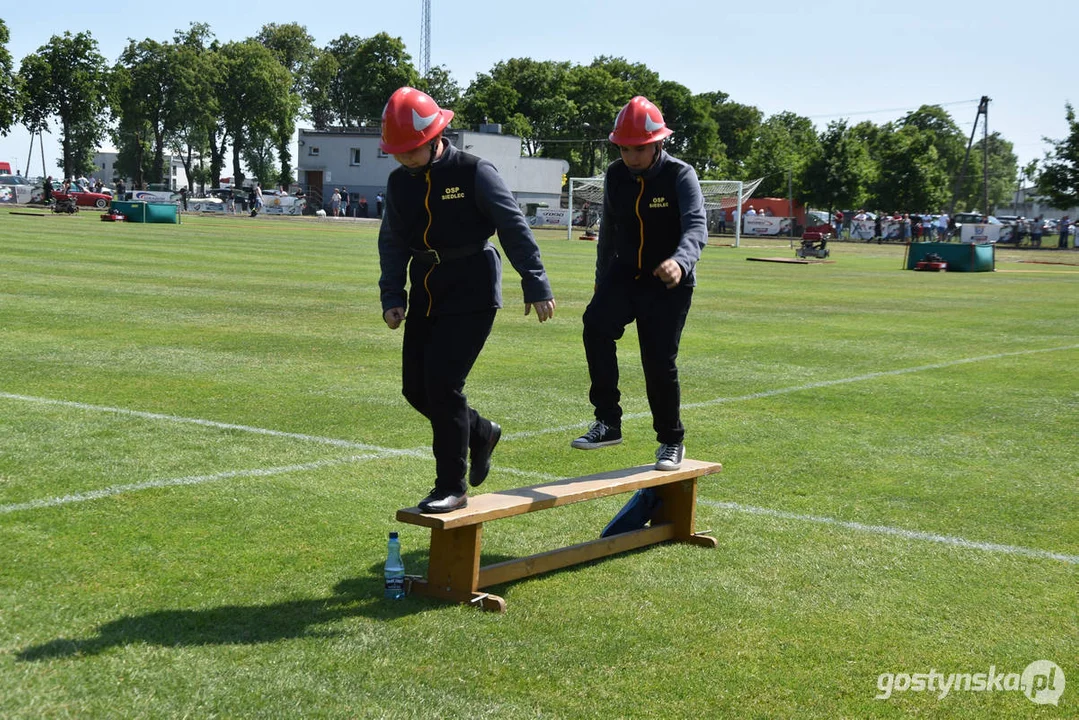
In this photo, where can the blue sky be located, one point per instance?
(830, 59)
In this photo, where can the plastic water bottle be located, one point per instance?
(395, 570)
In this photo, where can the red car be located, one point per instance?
(83, 198)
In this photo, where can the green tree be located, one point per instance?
(259, 152)
(320, 88)
(696, 135)
(1059, 180)
(528, 97)
(737, 127)
(68, 78)
(839, 176)
(146, 91)
(912, 177)
(197, 108)
(1003, 168)
(491, 100)
(937, 126)
(786, 144)
(295, 49)
(352, 78)
(636, 78)
(255, 90)
(370, 74)
(441, 86)
(9, 88)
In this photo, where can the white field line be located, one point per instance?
(380, 452)
(797, 388)
(897, 532)
(189, 480)
(415, 452)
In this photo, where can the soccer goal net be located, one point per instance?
(720, 196)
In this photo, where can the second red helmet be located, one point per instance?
(639, 123)
(410, 119)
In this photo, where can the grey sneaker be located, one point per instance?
(669, 456)
(599, 435)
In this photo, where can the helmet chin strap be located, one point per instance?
(433, 146)
(657, 149)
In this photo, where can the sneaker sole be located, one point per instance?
(668, 466)
(593, 446)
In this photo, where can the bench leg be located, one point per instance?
(680, 509)
(453, 569)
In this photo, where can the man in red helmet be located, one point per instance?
(441, 207)
(654, 227)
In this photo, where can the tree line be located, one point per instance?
(217, 103)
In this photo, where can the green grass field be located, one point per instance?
(203, 445)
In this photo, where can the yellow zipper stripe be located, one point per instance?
(640, 220)
(430, 219)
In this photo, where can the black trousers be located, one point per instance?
(660, 314)
(437, 355)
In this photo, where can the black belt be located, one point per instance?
(433, 256)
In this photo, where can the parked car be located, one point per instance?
(976, 218)
(15, 189)
(82, 198)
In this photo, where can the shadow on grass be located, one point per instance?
(247, 624)
(255, 624)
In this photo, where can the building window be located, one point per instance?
(354, 156)
(312, 151)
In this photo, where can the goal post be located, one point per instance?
(719, 196)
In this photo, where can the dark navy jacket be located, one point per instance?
(652, 217)
(458, 204)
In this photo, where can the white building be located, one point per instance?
(351, 159)
(1029, 204)
(105, 169)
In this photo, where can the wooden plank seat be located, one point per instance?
(454, 571)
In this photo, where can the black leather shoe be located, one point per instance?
(480, 466)
(443, 501)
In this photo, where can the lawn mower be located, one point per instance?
(814, 244)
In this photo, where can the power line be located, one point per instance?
(890, 110)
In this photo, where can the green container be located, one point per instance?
(961, 257)
(147, 212)
(131, 210)
(165, 212)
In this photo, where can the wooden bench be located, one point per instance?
(454, 571)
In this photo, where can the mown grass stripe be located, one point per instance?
(799, 388)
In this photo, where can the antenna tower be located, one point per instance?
(425, 39)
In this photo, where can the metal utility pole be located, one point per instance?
(790, 202)
(985, 157)
(983, 109)
(425, 39)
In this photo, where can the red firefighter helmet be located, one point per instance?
(410, 119)
(639, 123)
